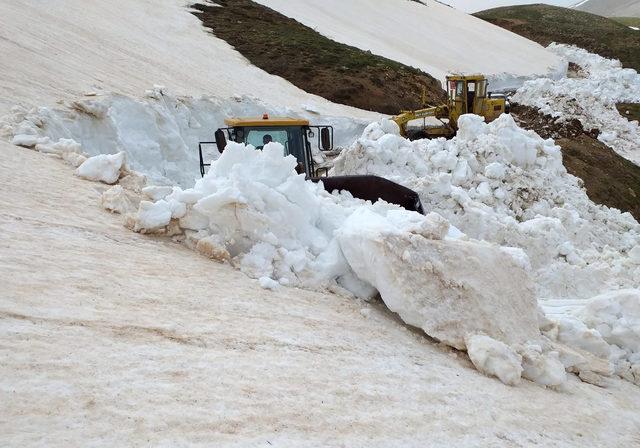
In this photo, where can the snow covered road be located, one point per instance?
(113, 338)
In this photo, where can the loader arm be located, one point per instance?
(406, 116)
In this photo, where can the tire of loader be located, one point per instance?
(372, 188)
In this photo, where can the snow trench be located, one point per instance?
(159, 133)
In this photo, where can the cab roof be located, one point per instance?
(472, 77)
(265, 120)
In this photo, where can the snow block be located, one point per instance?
(103, 168)
(494, 358)
(448, 288)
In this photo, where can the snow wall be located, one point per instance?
(159, 133)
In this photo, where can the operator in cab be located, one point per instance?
(266, 138)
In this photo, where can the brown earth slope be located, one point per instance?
(545, 24)
(609, 178)
(340, 73)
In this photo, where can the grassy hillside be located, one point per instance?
(338, 72)
(545, 24)
(609, 178)
(629, 21)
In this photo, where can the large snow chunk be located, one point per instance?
(117, 200)
(104, 167)
(153, 216)
(494, 358)
(449, 288)
(542, 368)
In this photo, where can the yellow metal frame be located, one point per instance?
(268, 122)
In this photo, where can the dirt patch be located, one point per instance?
(609, 178)
(545, 24)
(631, 111)
(340, 73)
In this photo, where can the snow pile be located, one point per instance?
(591, 99)
(505, 185)
(159, 134)
(253, 210)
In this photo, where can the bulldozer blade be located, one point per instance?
(372, 188)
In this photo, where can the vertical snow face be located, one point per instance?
(591, 99)
(159, 133)
(431, 36)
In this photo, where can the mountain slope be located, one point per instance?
(340, 73)
(545, 24)
(65, 49)
(611, 8)
(479, 5)
(428, 35)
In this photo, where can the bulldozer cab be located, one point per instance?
(467, 94)
(295, 135)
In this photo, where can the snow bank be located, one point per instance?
(159, 134)
(591, 99)
(499, 183)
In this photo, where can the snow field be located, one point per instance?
(499, 183)
(435, 38)
(591, 99)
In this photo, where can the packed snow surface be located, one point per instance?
(111, 338)
(430, 36)
(591, 99)
(502, 184)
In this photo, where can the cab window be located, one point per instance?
(259, 137)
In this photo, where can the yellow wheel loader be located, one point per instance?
(467, 94)
(296, 136)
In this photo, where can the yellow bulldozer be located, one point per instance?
(297, 136)
(466, 94)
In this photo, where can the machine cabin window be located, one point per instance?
(288, 136)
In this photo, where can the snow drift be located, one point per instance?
(591, 98)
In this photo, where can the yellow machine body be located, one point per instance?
(466, 94)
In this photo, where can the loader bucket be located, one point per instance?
(372, 188)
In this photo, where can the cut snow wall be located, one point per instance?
(159, 133)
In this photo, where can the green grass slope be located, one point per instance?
(545, 24)
(629, 21)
